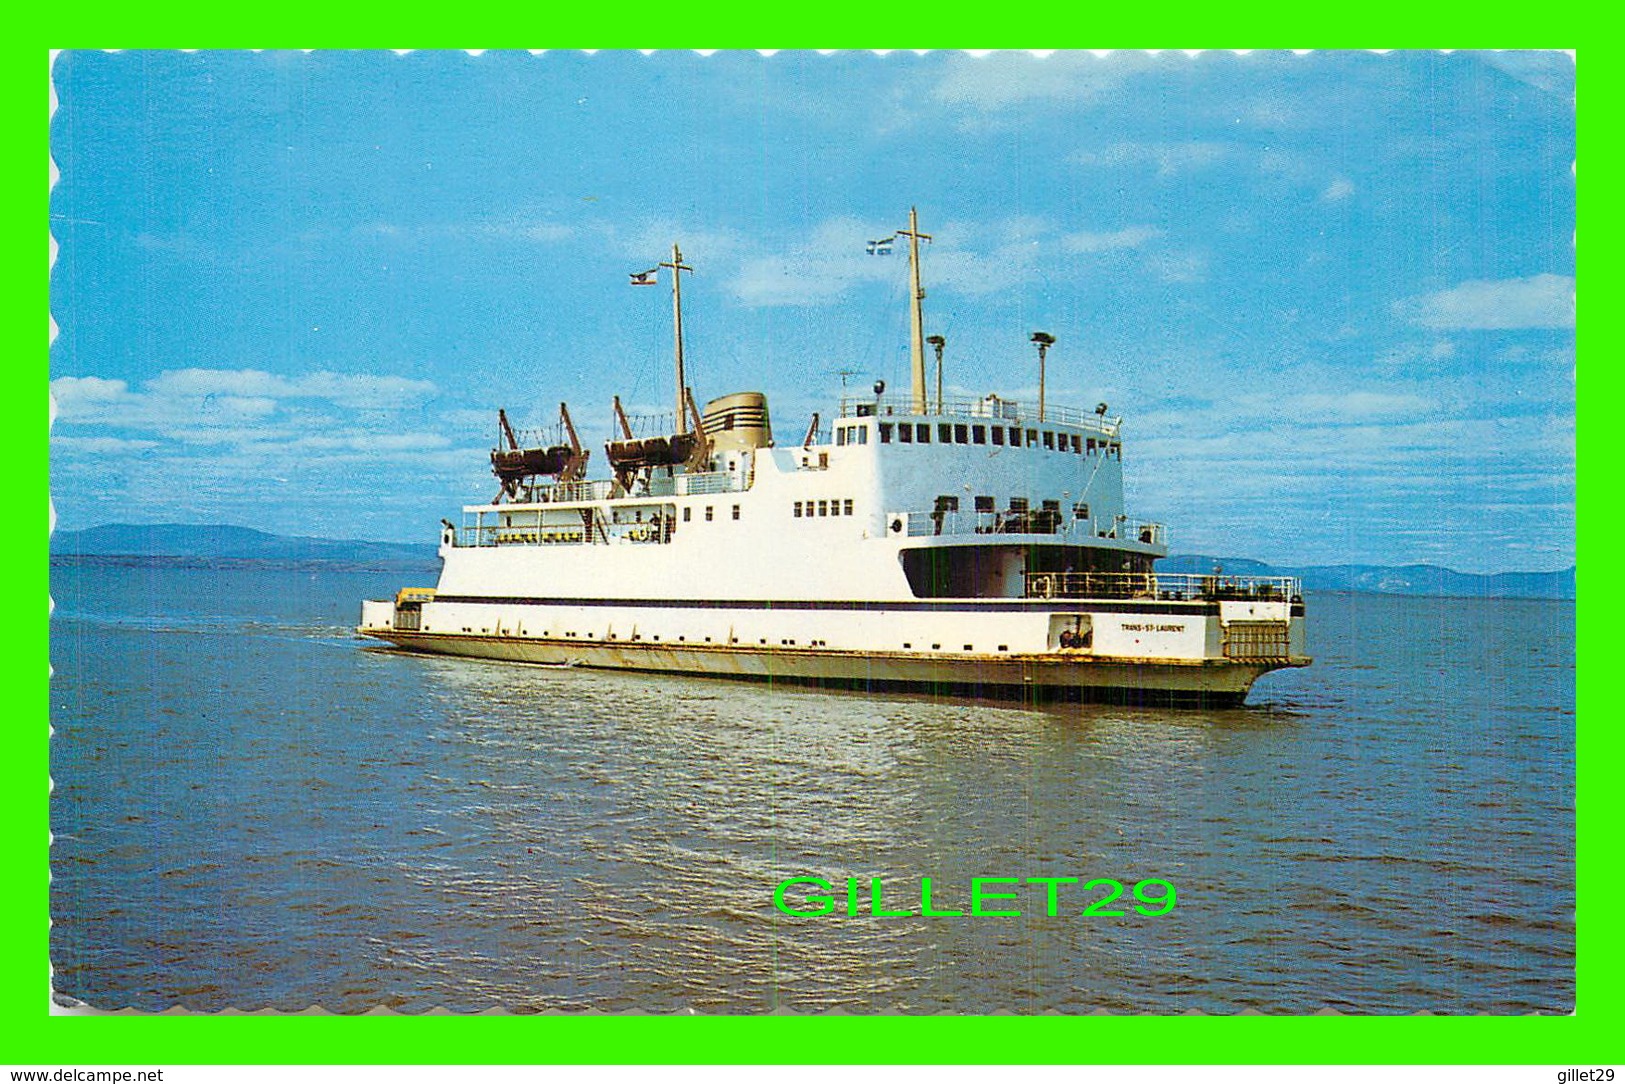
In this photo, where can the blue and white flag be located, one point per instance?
(881, 248)
(646, 278)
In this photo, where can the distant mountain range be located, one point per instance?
(1392, 579)
(220, 546)
(176, 543)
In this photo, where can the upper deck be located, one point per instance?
(990, 409)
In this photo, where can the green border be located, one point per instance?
(33, 1037)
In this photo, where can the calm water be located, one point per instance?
(252, 809)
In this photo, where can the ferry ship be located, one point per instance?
(968, 547)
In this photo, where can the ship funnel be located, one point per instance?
(738, 422)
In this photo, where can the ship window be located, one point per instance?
(1080, 511)
(798, 509)
(1077, 444)
(1049, 439)
(736, 511)
(945, 433)
(1052, 506)
(922, 434)
(863, 434)
(984, 504)
(960, 435)
(708, 514)
(688, 514)
(1090, 443)
(885, 432)
(1117, 450)
(840, 436)
(823, 508)
(978, 434)
(1018, 504)
(905, 434)
(947, 504)
(849, 506)
(1032, 438)
(1015, 437)
(998, 435)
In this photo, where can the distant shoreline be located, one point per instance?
(287, 564)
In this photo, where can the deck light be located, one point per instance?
(1044, 340)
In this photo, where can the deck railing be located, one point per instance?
(990, 409)
(1166, 586)
(1045, 521)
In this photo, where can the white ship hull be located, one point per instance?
(1168, 653)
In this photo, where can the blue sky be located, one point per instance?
(1331, 294)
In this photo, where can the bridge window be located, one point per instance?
(736, 511)
(849, 506)
(1049, 440)
(1077, 444)
(885, 432)
(945, 433)
(798, 509)
(840, 436)
(863, 434)
(708, 514)
(922, 434)
(823, 508)
(688, 514)
(1080, 511)
(978, 434)
(998, 435)
(984, 504)
(960, 435)
(1032, 438)
(1015, 437)
(1052, 506)
(1091, 444)
(1018, 504)
(905, 434)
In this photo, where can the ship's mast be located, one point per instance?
(677, 268)
(916, 295)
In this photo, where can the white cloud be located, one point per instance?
(358, 390)
(101, 445)
(999, 81)
(1178, 267)
(1540, 301)
(1169, 159)
(970, 259)
(1128, 237)
(1551, 70)
(1340, 189)
(237, 408)
(71, 391)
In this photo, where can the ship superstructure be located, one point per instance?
(973, 546)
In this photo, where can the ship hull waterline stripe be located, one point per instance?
(1203, 682)
(945, 606)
